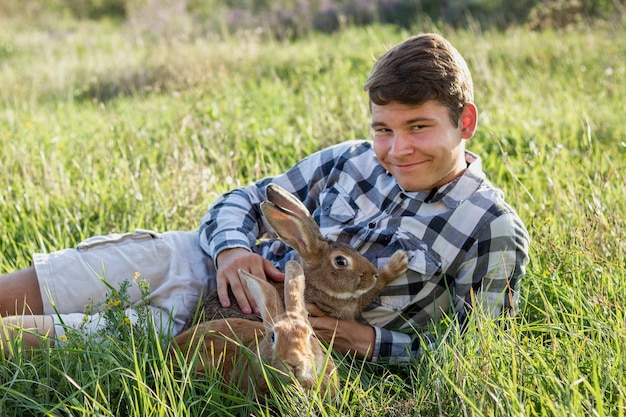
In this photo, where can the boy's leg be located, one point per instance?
(172, 263)
(20, 293)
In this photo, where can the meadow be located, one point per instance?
(103, 129)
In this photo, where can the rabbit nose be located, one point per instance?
(296, 368)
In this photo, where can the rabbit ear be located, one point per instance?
(266, 296)
(291, 220)
(282, 198)
(294, 288)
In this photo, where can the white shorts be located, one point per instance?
(173, 264)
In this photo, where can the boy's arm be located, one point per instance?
(235, 219)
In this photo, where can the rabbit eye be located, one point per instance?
(341, 261)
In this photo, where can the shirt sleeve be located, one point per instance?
(235, 219)
(399, 348)
(495, 265)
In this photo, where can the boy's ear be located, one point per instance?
(469, 120)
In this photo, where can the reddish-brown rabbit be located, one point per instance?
(285, 339)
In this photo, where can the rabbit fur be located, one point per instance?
(340, 281)
(285, 339)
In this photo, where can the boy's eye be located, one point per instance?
(381, 131)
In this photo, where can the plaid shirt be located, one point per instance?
(463, 241)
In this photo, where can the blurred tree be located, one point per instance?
(97, 9)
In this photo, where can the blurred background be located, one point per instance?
(295, 18)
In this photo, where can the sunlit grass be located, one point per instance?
(103, 132)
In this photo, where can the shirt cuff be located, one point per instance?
(376, 347)
(391, 346)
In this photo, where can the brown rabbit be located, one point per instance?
(285, 339)
(340, 281)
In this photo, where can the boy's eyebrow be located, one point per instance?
(376, 123)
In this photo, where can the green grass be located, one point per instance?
(103, 132)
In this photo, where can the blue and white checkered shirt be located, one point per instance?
(464, 242)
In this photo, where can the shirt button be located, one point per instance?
(371, 225)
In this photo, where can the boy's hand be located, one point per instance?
(228, 263)
(347, 336)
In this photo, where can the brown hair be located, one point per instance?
(422, 68)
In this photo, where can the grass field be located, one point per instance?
(102, 130)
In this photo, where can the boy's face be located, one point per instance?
(419, 145)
